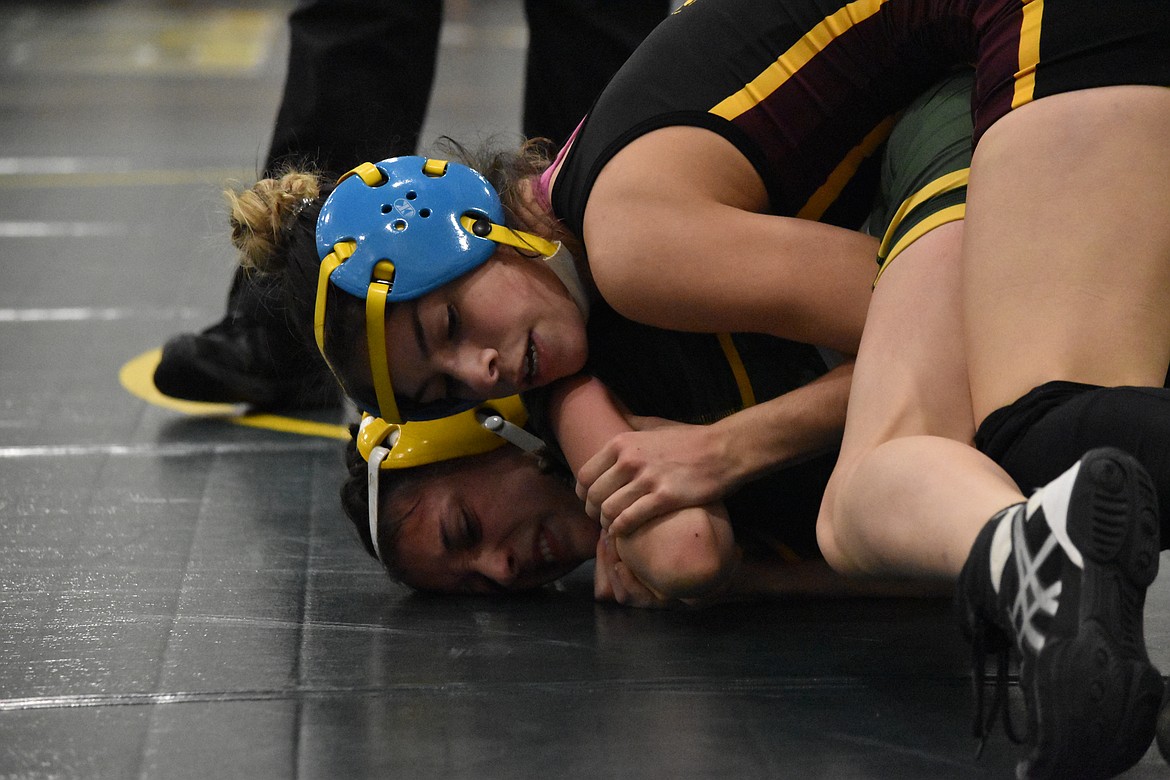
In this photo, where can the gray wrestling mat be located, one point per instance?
(180, 595)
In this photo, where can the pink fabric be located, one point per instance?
(542, 183)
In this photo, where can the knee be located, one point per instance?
(830, 528)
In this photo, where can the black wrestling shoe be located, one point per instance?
(1078, 559)
(238, 360)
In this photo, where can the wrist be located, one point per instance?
(730, 446)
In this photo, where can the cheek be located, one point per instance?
(571, 349)
(492, 312)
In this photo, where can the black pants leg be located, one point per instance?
(1045, 432)
(358, 83)
(574, 48)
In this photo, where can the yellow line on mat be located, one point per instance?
(137, 376)
(149, 178)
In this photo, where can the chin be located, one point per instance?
(575, 358)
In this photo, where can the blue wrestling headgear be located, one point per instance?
(484, 428)
(398, 229)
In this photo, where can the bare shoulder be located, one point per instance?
(651, 202)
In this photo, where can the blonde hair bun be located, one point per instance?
(261, 215)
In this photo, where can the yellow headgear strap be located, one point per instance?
(341, 252)
(419, 442)
(513, 238)
(376, 339)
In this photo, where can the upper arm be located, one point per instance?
(676, 238)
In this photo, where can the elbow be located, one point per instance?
(699, 573)
(696, 562)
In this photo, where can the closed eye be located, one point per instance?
(453, 322)
(461, 532)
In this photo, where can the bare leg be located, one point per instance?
(1065, 273)
(909, 493)
(906, 500)
(1067, 241)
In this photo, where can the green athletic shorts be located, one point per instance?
(924, 168)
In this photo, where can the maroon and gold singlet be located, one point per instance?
(808, 89)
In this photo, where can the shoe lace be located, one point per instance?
(984, 722)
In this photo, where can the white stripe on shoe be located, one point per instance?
(1054, 498)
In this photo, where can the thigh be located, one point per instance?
(1066, 255)
(910, 378)
(909, 493)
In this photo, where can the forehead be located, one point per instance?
(419, 553)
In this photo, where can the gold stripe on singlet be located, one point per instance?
(746, 395)
(788, 64)
(1029, 53)
(797, 56)
(889, 249)
(828, 192)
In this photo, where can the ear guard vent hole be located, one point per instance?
(424, 213)
(398, 225)
(386, 208)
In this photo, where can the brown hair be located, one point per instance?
(273, 225)
(505, 168)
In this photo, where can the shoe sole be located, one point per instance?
(1095, 693)
(1164, 726)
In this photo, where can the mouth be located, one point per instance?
(546, 547)
(531, 363)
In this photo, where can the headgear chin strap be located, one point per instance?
(396, 230)
(484, 428)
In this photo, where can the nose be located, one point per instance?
(478, 368)
(499, 565)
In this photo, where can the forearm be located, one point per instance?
(788, 429)
(678, 554)
(584, 417)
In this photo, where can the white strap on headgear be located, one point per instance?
(565, 267)
(515, 434)
(377, 455)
